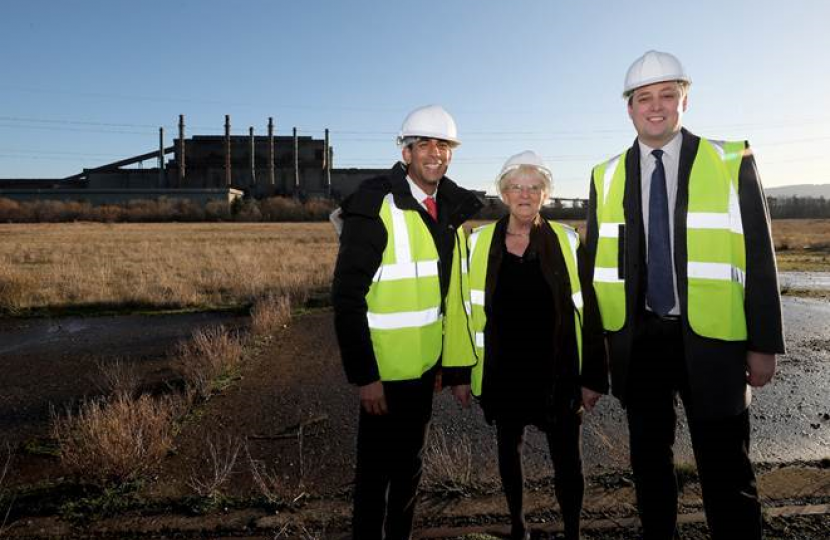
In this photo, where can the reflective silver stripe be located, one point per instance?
(480, 340)
(468, 307)
(392, 272)
(573, 240)
(474, 241)
(610, 169)
(719, 148)
(707, 220)
(609, 230)
(477, 297)
(606, 275)
(736, 224)
(719, 271)
(464, 269)
(714, 220)
(577, 299)
(405, 319)
(403, 254)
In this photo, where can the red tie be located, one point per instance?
(432, 208)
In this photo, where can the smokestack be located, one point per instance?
(296, 165)
(161, 157)
(271, 179)
(327, 164)
(228, 181)
(253, 155)
(181, 151)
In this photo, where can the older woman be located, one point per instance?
(538, 337)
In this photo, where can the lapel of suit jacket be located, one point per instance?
(633, 253)
(688, 151)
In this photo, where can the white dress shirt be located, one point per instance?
(671, 163)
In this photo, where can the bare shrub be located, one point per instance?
(281, 209)
(116, 439)
(318, 209)
(448, 466)
(208, 478)
(208, 359)
(4, 519)
(269, 314)
(117, 376)
(267, 482)
(11, 210)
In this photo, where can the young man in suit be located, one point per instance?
(685, 275)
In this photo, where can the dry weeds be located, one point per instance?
(4, 517)
(117, 376)
(116, 439)
(448, 465)
(802, 244)
(160, 266)
(208, 477)
(99, 266)
(209, 360)
(269, 314)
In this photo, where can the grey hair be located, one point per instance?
(524, 170)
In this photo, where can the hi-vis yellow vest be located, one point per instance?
(716, 254)
(480, 242)
(404, 301)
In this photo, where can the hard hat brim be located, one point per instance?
(654, 80)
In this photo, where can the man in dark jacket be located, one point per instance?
(685, 275)
(399, 257)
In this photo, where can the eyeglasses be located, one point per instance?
(534, 189)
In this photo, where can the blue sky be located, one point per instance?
(88, 82)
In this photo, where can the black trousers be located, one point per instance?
(565, 444)
(390, 452)
(721, 445)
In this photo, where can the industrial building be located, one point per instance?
(203, 168)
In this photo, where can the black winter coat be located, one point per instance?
(362, 243)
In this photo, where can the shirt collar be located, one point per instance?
(671, 149)
(417, 193)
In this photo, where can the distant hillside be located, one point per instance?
(801, 190)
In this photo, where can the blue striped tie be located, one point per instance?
(660, 291)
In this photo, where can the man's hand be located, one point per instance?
(439, 383)
(462, 394)
(372, 399)
(589, 398)
(760, 367)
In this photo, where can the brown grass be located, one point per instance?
(269, 314)
(160, 266)
(117, 376)
(209, 360)
(115, 440)
(802, 244)
(209, 265)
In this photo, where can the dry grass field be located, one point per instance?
(802, 244)
(98, 267)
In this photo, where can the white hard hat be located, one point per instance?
(654, 67)
(432, 122)
(528, 158)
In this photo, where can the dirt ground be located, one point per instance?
(293, 413)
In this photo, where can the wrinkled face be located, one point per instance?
(657, 112)
(524, 193)
(428, 160)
